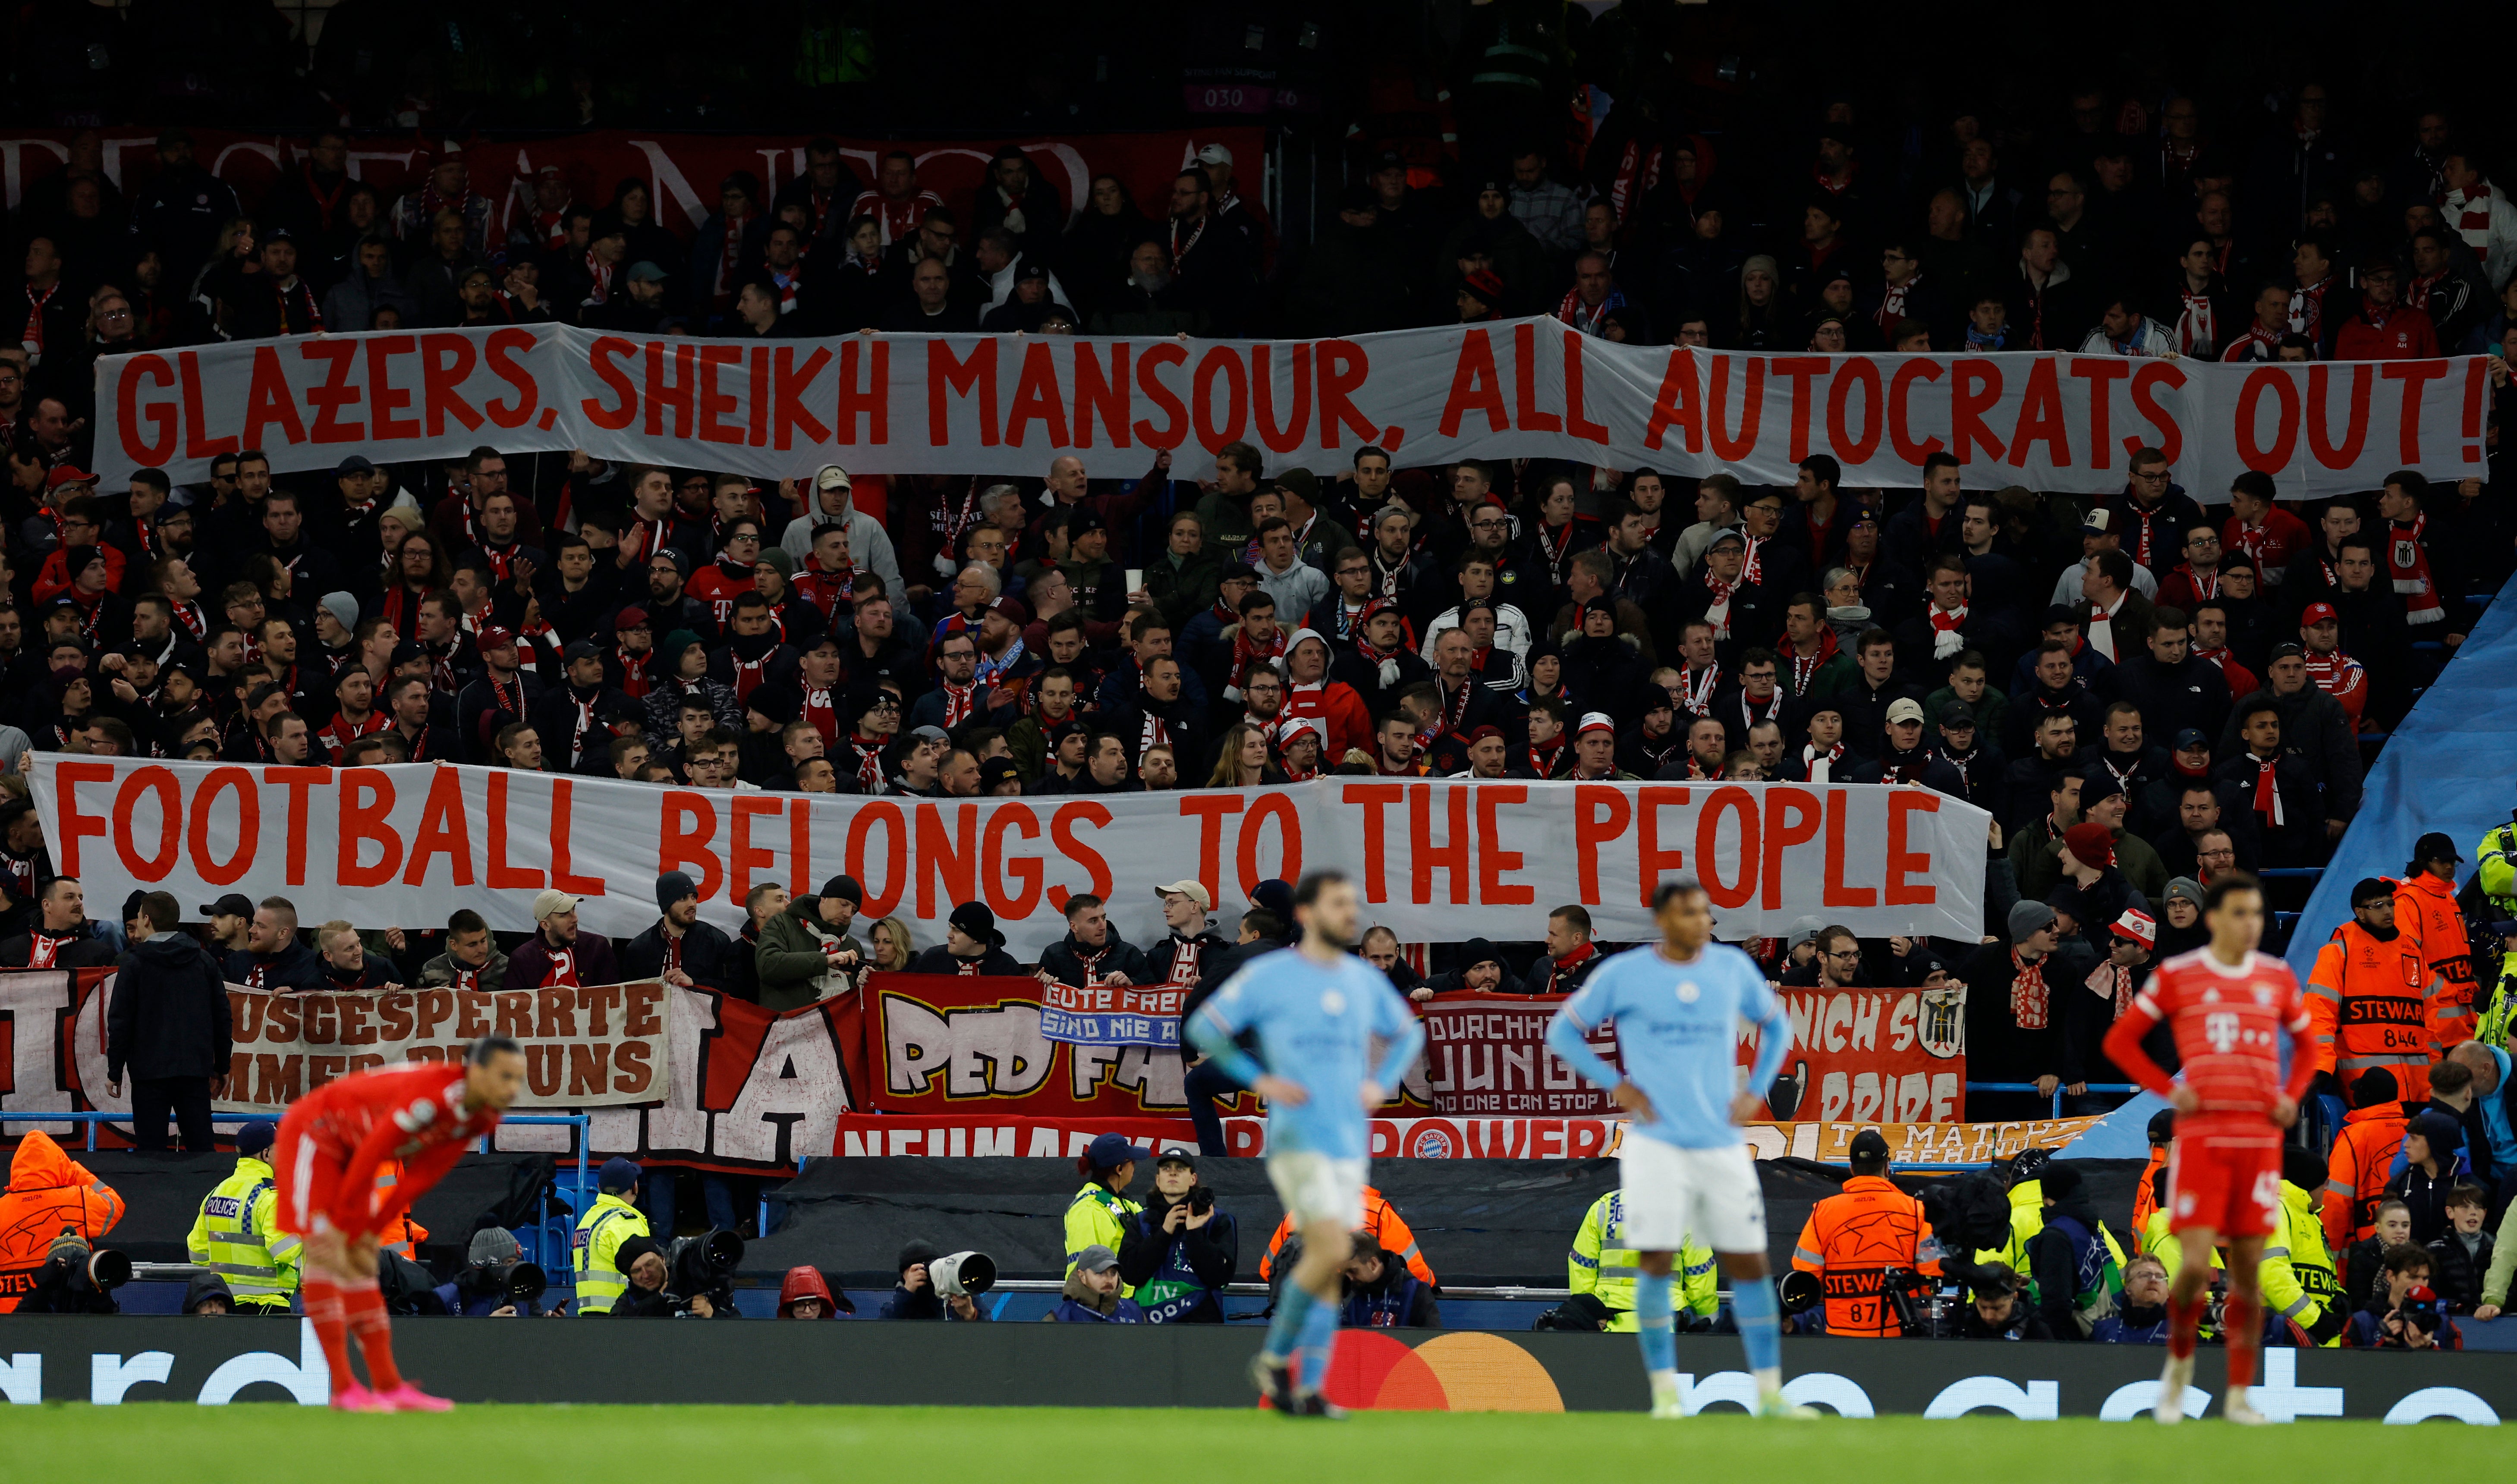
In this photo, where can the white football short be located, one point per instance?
(1318, 1187)
(1672, 1196)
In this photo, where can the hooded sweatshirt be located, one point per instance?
(48, 1192)
(804, 1280)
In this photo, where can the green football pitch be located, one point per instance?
(764, 1445)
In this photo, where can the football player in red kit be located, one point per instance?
(331, 1141)
(2226, 1007)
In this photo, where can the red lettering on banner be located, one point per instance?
(1424, 857)
(1374, 797)
(1791, 819)
(160, 782)
(1174, 430)
(75, 825)
(1295, 429)
(2040, 418)
(444, 830)
(1975, 389)
(2284, 391)
(1344, 366)
(1832, 891)
(756, 401)
(712, 401)
(603, 357)
(1475, 387)
(364, 814)
(1601, 814)
(1708, 856)
(686, 832)
(949, 376)
(1036, 396)
(384, 398)
(1752, 407)
(1860, 373)
(444, 361)
(563, 815)
(2477, 396)
(1525, 382)
(788, 382)
(163, 422)
(2413, 374)
(336, 392)
(1061, 833)
(297, 782)
(1676, 404)
(1904, 863)
(196, 445)
(1492, 859)
(1576, 421)
(741, 857)
(1899, 425)
(996, 868)
(499, 876)
(1798, 370)
(2355, 423)
(1650, 858)
(872, 404)
(1289, 841)
(799, 848)
(2101, 373)
(1099, 394)
(677, 390)
(197, 835)
(879, 900)
(953, 859)
(2167, 435)
(269, 401)
(1223, 361)
(500, 353)
(1208, 810)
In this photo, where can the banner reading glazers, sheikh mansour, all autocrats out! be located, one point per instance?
(406, 846)
(1529, 388)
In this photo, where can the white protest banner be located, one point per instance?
(1434, 859)
(1527, 388)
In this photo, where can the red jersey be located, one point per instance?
(2227, 1024)
(411, 1112)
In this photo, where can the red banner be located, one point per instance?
(681, 171)
(980, 1136)
(935, 1042)
(1871, 1056)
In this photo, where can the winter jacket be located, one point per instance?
(442, 971)
(803, 1281)
(170, 1015)
(1070, 962)
(707, 955)
(531, 962)
(996, 962)
(792, 970)
(2457, 1270)
(294, 967)
(49, 1193)
(1082, 1305)
(1179, 1277)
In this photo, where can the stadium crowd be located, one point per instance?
(2143, 689)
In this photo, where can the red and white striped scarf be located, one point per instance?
(2196, 327)
(1695, 697)
(32, 338)
(2407, 563)
(1949, 630)
(960, 701)
(1892, 302)
(43, 949)
(2267, 800)
(2031, 1002)
(599, 276)
(822, 713)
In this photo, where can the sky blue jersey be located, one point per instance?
(1315, 1023)
(1677, 1031)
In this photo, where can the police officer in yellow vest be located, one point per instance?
(1602, 1266)
(2495, 879)
(2300, 1288)
(610, 1221)
(236, 1237)
(1101, 1212)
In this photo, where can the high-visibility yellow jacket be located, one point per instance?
(2299, 1284)
(2027, 1220)
(1601, 1265)
(595, 1251)
(236, 1236)
(2160, 1243)
(1097, 1213)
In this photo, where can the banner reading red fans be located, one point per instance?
(1531, 387)
(714, 1080)
(407, 846)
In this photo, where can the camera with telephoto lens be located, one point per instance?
(964, 1275)
(702, 1265)
(81, 1269)
(522, 1281)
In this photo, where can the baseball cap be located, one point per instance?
(68, 474)
(2095, 523)
(1180, 1156)
(2318, 612)
(1905, 709)
(644, 271)
(2139, 926)
(233, 905)
(1955, 716)
(1195, 891)
(1595, 721)
(1727, 538)
(1098, 1258)
(830, 476)
(254, 1135)
(579, 649)
(495, 638)
(632, 617)
(1029, 270)
(1868, 1144)
(1113, 1149)
(617, 1174)
(2286, 649)
(2192, 737)
(1014, 610)
(997, 771)
(356, 463)
(1214, 155)
(933, 733)
(2434, 846)
(550, 903)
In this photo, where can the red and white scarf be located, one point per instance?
(1891, 303)
(2267, 800)
(32, 338)
(1949, 630)
(869, 769)
(1718, 612)
(561, 970)
(1153, 732)
(822, 713)
(1543, 757)
(2205, 584)
(1820, 764)
(43, 949)
(598, 278)
(2031, 1002)
(2407, 563)
(2197, 328)
(1695, 697)
(338, 733)
(960, 702)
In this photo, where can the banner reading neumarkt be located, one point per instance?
(1530, 388)
(407, 846)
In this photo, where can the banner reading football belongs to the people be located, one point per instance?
(1528, 388)
(407, 846)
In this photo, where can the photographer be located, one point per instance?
(641, 1261)
(1092, 1294)
(77, 1278)
(496, 1282)
(1179, 1252)
(1998, 1312)
(2409, 1316)
(916, 1297)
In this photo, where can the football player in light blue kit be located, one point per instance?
(1316, 1008)
(1678, 1005)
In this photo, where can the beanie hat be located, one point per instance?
(2090, 844)
(916, 1253)
(343, 608)
(671, 887)
(845, 887)
(2027, 918)
(493, 1245)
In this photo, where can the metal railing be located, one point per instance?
(2124, 1088)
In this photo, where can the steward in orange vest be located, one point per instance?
(2368, 995)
